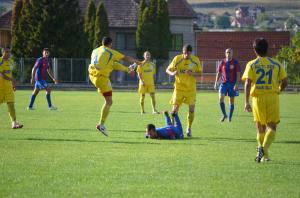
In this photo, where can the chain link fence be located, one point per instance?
(74, 70)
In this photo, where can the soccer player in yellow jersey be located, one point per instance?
(264, 78)
(103, 61)
(7, 87)
(146, 71)
(185, 67)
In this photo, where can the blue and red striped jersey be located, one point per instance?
(229, 70)
(41, 64)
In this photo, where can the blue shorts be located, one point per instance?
(41, 84)
(227, 89)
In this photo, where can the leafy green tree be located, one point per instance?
(164, 33)
(289, 23)
(89, 24)
(152, 22)
(101, 24)
(16, 40)
(291, 55)
(139, 32)
(222, 22)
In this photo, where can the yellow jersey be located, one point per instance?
(102, 61)
(6, 69)
(147, 71)
(265, 74)
(183, 81)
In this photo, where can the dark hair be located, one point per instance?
(188, 48)
(260, 45)
(106, 41)
(150, 127)
(46, 49)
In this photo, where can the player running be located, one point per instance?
(38, 75)
(103, 61)
(7, 87)
(146, 71)
(170, 131)
(264, 79)
(229, 72)
(185, 67)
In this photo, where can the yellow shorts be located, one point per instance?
(7, 94)
(146, 89)
(266, 108)
(102, 83)
(180, 97)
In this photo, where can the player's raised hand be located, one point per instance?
(248, 107)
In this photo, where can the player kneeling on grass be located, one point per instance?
(170, 131)
(7, 87)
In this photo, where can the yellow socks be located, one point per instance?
(11, 111)
(153, 102)
(142, 101)
(269, 138)
(260, 138)
(104, 113)
(190, 118)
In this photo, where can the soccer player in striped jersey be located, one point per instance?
(7, 87)
(185, 67)
(146, 71)
(264, 79)
(38, 75)
(229, 72)
(170, 131)
(103, 61)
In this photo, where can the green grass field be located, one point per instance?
(60, 154)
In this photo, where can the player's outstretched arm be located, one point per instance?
(131, 60)
(217, 80)
(32, 74)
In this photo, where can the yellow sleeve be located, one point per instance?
(199, 66)
(172, 66)
(117, 55)
(248, 73)
(282, 73)
(120, 67)
(139, 69)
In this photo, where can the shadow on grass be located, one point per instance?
(224, 139)
(287, 142)
(133, 112)
(90, 141)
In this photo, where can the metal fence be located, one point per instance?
(74, 70)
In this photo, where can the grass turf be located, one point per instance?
(60, 154)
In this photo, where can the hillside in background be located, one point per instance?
(277, 7)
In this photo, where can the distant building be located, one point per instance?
(5, 32)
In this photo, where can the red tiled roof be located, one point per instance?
(121, 13)
(180, 9)
(5, 20)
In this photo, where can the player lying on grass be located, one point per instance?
(170, 131)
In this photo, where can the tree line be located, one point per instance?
(59, 26)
